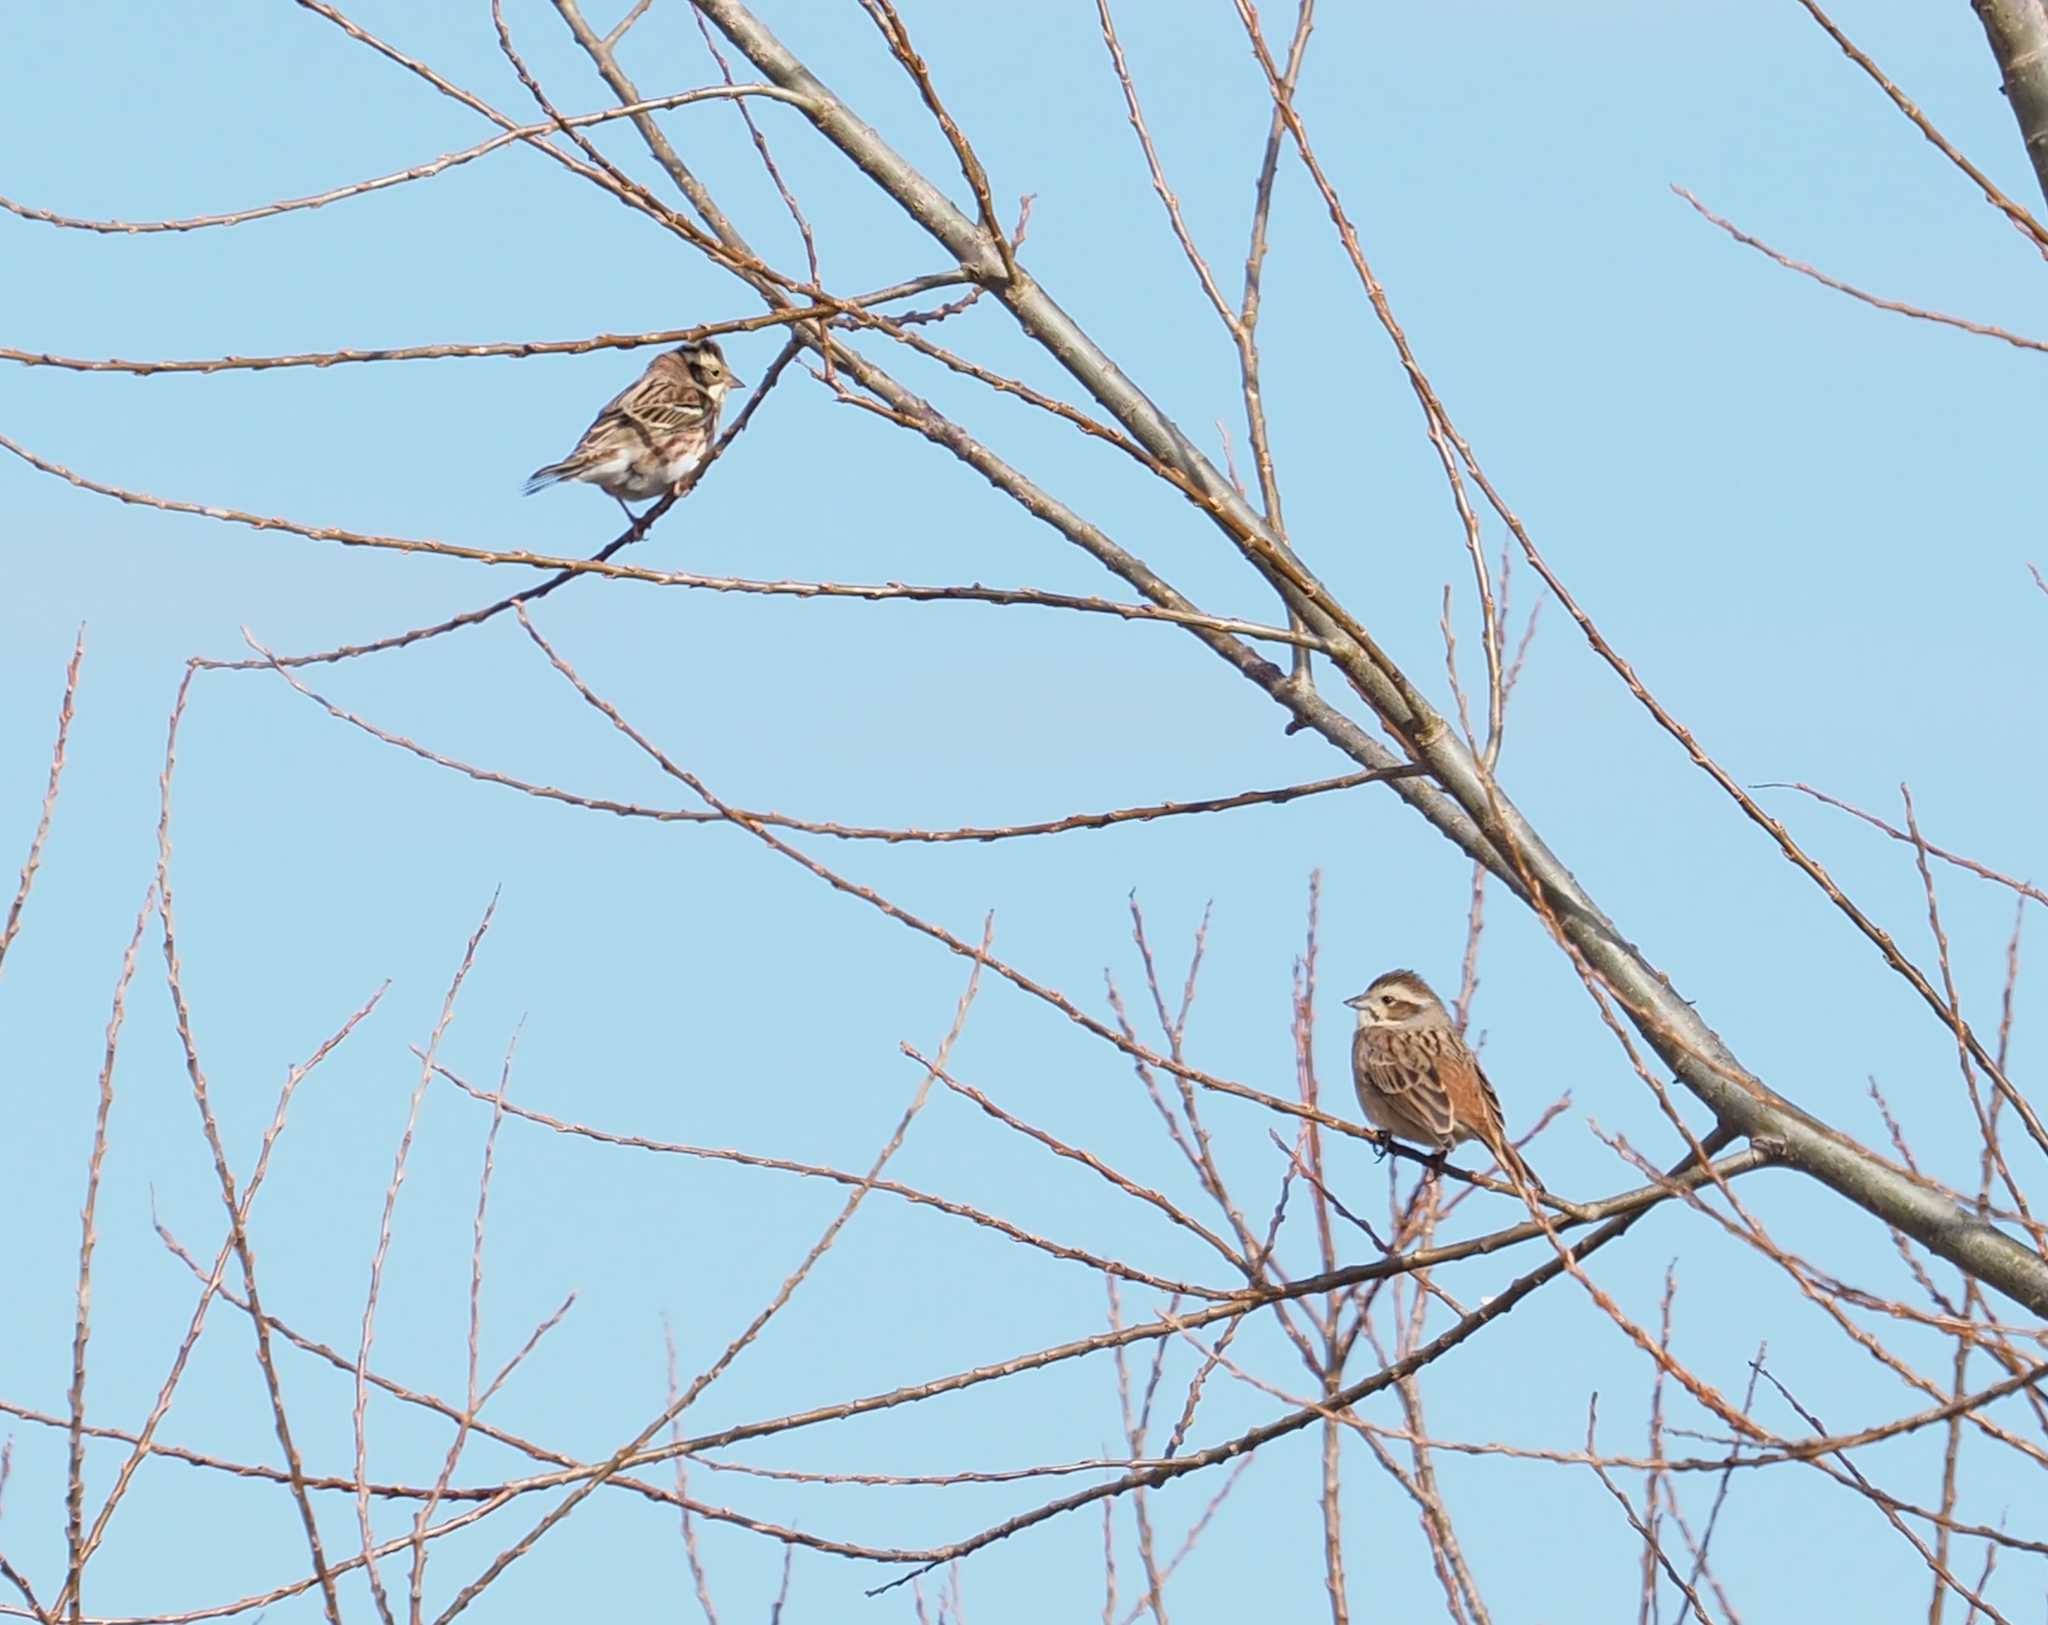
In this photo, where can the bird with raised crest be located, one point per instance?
(652, 434)
(1417, 1079)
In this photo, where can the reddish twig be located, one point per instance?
(789, 201)
(515, 349)
(981, 833)
(2024, 222)
(890, 22)
(237, 1230)
(473, 1398)
(691, 1555)
(74, 1497)
(1500, 1304)
(1917, 312)
(1652, 1548)
(382, 1251)
(418, 172)
(739, 1344)
(840, 1176)
(11, 926)
(1982, 871)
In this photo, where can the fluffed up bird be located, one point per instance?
(1417, 1079)
(654, 432)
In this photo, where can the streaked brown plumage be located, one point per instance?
(654, 431)
(1415, 1077)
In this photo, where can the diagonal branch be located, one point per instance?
(518, 348)
(10, 927)
(1245, 1443)
(2018, 341)
(237, 1227)
(1490, 827)
(2018, 33)
(739, 1344)
(885, 17)
(74, 1498)
(2024, 222)
(418, 172)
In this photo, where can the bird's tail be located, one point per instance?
(1516, 1169)
(545, 476)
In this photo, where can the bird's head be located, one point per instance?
(707, 365)
(1399, 998)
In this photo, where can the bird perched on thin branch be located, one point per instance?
(1417, 1079)
(654, 432)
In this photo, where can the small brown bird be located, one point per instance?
(654, 431)
(1415, 1077)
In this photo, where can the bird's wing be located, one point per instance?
(650, 410)
(663, 405)
(1492, 1124)
(1412, 1091)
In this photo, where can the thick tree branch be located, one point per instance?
(2018, 33)
(1492, 829)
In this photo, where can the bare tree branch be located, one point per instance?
(2018, 33)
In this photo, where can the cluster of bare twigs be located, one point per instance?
(1367, 1305)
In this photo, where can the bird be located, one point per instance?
(1417, 1079)
(652, 434)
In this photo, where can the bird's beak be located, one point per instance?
(1355, 1002)
(735, 382)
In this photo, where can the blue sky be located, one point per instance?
(1808, 524)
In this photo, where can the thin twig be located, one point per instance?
(74, 1497)
(2024, 222)
(1917, 312)
(224, 1175)
(11, 926)
(1692, 1597)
